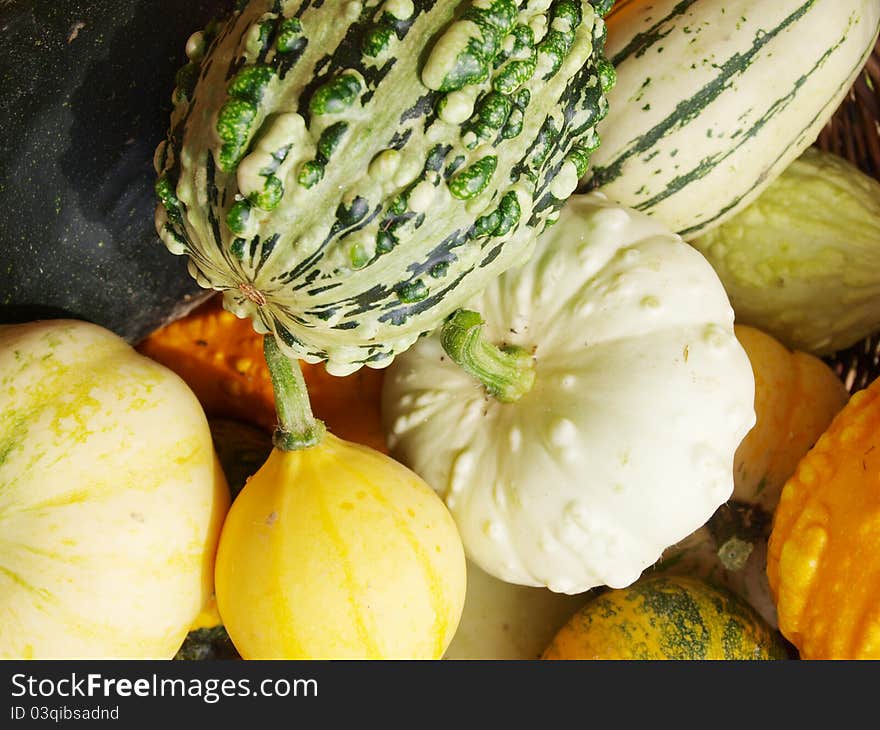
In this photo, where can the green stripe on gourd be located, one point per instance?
(466, 51)
(270, 196)
(704, 116)
(734, 205)
(501, 220)
(336, 96)
(514, 123)
(290, 36)
(234, 124)
(413, 291)
(404, 182)
(642, 41)
(490, 116)
(565, 17)
(250, 83)
(168, 198)
(258, 40)
(378, 41)
(238, 216)
(312, 171)
(520, 61)
(580, 156)
(310, 174)
(691, 107)
(473, 180)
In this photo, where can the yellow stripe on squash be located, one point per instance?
(338, 551)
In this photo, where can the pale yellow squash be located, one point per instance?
(337, 551)
(508, 621)
(111, 497)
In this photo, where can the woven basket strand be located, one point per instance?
(854, 133)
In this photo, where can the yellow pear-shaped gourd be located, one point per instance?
(111, 497)
(335, 550)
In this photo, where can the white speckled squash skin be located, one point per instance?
(625, 443)
(111, 497)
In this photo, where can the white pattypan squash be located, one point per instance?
(623, 444)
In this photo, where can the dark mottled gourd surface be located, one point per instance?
(85, 101)
(349, 173)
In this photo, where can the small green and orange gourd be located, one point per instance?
(663, 618)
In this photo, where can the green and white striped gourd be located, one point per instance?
(714, 100)
(349, 172)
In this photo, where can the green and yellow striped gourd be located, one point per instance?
(349, 173)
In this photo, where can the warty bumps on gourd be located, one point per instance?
(349, 173)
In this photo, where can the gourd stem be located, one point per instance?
(507, 373)
(735, 528)
(297, 427)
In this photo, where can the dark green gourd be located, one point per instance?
(349, 173)
(85, 100)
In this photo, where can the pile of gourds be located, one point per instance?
(446, 405)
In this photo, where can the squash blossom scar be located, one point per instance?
(252, 293)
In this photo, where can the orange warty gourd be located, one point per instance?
(823, 561)
(221, 359)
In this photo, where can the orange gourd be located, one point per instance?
(221, 358)
(823, 560)
(796, 396)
